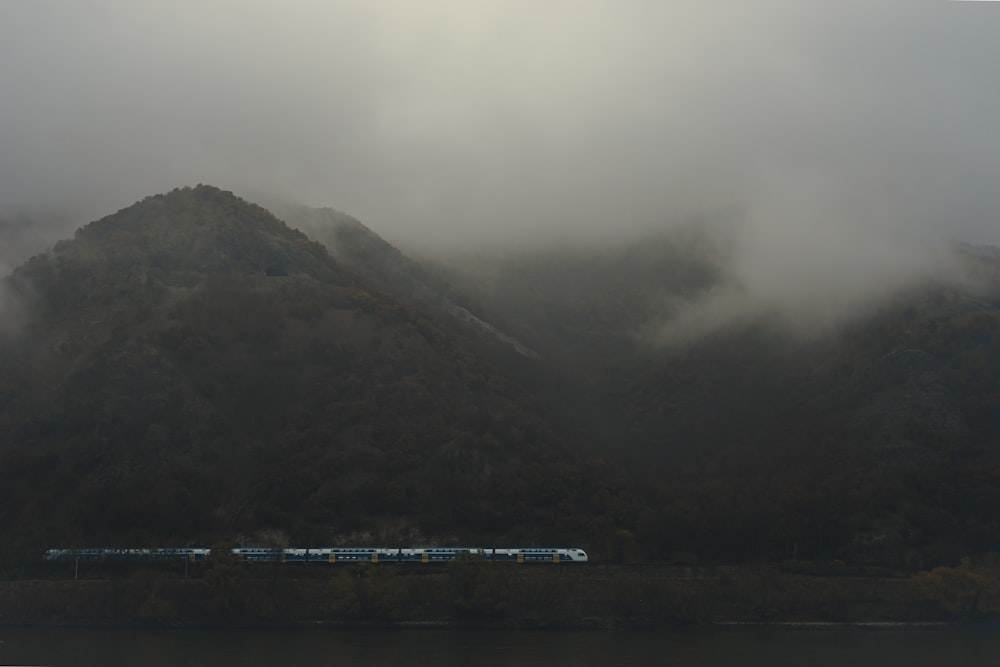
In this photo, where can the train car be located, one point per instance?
(127, 555)
(259, 555)
(348, 555)
(192, 554)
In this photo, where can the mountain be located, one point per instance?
(875, 442)
(385, 267)
(190, 368)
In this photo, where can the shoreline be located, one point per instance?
(475, 596)
(794, 626)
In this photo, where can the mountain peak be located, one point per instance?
(202, 228)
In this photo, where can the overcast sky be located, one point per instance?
(448, 121)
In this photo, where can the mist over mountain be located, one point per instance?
(192, 368)
(497, 123)
(679, 281)
(830, 172)
(842, 413)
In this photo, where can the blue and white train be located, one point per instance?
(331, 555)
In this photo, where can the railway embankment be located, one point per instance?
(480, 594)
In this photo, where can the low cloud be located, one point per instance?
(811, 257)
(831, 144)
(11, 313)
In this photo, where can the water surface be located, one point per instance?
(744, 647)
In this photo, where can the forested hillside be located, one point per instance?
(192, 369)
(875, 441)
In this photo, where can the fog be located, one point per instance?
(834, 142)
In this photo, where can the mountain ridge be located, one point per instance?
(212, 372)
(193, 367)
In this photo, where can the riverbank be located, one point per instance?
(480, 594)
(707, 646)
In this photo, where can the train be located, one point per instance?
(329, 555)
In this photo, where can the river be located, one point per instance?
(484, 648)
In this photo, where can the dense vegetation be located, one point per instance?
(874, 443)
(191, 369)
(473, 592)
